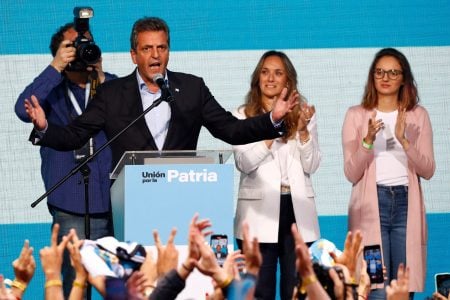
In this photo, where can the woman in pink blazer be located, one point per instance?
(275, 188)
(388, 147)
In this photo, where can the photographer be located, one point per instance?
(63, 89)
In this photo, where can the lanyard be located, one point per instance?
(74, 100)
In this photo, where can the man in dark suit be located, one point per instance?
(170, 126)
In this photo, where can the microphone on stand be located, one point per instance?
(166, 94)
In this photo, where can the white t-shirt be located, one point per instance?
(390, 158)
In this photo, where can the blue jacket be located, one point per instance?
(50, 87)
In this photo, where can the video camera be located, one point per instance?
(88, 53)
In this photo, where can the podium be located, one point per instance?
(163, 189)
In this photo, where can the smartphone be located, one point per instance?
(442, 283)
(372, 255)
(219, 245)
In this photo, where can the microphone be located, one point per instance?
(166, 94)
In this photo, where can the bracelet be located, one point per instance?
(367, 146)
(19, 285)
(352, 280)
(54, 282)
(307, 281)
(226, 282)
(78, 284)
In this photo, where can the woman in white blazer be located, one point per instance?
(275, 187)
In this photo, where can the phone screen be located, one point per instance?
(372, 255)
(442, 281)
(219, 245)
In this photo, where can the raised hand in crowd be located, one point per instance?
(340, 291)
(351, 257)
(167, 255)
(439, 296)
(200, 229)
(234, 262)
(81, 275)
(309, 283)
(150, 274)
(134, 285)
(24, 267)
(398, 288)
(252, 254)
(5, 293)
(364, 282)
(174, 281)
(51, 260)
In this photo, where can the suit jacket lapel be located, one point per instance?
(174, 86)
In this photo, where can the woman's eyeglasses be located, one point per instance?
(392, 74)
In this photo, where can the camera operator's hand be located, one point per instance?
(36, 113)
(66, 53)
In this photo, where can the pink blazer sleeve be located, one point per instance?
(420, 134)
(356, 158)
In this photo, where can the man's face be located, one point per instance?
(151, 55)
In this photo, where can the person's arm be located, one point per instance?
(51, 260)
(398, 289)
(5, 293)
(24, 267)
(252, 254)
(167, 255)
(310, 154)
(248, 157)
(439, 296)
(309, 283)
(356, 157)
(171, 284)
(364, 282)
(421, 154)
(41, 87)
(223, 125)
(351, 254)
(79, 284)
(72, 136)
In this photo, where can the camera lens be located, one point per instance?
(89, 53)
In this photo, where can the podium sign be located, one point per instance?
(163, 196)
